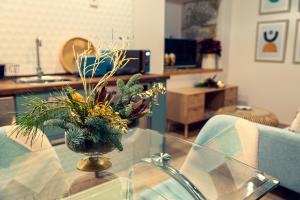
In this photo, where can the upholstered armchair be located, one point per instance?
(272, 150)
(29, 171)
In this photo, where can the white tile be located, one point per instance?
(55, 22)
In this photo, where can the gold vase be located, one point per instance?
(94, 160)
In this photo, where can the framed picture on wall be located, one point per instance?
(274, 6)
(297, 43)
(271, 38)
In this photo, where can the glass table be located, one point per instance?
(151, 166)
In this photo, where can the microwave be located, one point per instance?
(140, 63)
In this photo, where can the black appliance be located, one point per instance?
(140, 63)
(185, 51)
(2, 69)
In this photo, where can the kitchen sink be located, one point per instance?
(44, 79)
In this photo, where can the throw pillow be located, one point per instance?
(295, 126)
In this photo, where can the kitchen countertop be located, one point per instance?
(10, 87)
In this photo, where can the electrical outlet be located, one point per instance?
(94, 3)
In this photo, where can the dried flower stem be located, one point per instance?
(115, 55)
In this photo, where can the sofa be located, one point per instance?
(274, 151)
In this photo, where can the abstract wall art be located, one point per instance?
(297, 44)
(274, 6)
(199, 19)
(271, 41)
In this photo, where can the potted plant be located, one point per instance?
(210, 50)
(94, 121)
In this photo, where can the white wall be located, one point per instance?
(55, 22)
(223, 34)
(274, 86)
(149, 30)
(173, 19)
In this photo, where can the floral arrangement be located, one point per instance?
(210, 45)
(96, 115)
(211, 83)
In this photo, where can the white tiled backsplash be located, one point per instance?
(56, 21)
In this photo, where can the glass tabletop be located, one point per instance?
(151, 166)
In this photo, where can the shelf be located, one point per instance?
(190, 71)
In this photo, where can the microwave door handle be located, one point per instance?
(143, 61)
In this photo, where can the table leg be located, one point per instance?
(186, 130)
(169, 125)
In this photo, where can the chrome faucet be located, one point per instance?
(39, 70)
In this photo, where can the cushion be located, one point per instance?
(295, 126)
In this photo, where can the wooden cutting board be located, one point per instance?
(66, 54)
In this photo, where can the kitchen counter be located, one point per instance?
(10, 87)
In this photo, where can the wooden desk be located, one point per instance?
(190, 105)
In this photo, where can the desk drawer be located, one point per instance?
(195, 114)
(196, 100)
(230, 102)
(231, 93)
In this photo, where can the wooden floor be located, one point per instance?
(279, 193)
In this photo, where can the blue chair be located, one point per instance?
(271, 150)
(29, 171)
(277, 150)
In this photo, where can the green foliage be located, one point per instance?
(127, 91)
(121, 85)
(40, 112)
(104, 132)
(77, 107)
(95, 130)
(59, 123)
(75, 137)
(127, 110)
(93, 118)
(134, 80)
(56, 122)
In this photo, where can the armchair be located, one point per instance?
(272, 150)
(29, 171)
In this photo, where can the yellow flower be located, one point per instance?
(160, 88)
(113, 118)
(77, 97)
(153, 91)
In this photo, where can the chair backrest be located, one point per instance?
(231, 137)
(277, 150)
(29, 171)
(235, 137)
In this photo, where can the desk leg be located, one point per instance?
(169, 125)
(186, 130)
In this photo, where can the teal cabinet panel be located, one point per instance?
(158, 120)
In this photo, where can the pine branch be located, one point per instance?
(75, 138)
(127, 91)
(40, 111)
(105, 132)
